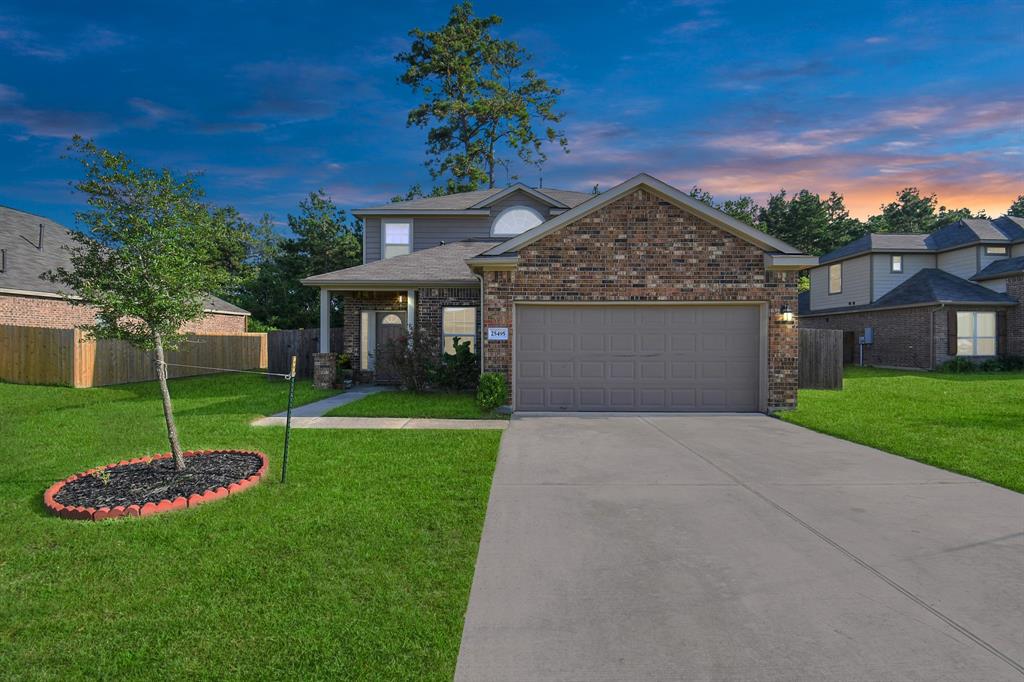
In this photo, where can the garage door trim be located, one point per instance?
(762, 306)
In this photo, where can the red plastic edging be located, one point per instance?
(167, 505)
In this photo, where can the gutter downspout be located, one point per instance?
(481, 278)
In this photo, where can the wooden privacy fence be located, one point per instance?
(42, 355)
(302, 343)
(821, 358)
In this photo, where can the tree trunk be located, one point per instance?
(172, 430)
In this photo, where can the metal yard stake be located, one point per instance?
(288, 419)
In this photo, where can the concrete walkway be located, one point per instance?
(322, 407)
(737, 548)
(382, 423)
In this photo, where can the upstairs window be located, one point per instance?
(995, 250)
(896, 264)
(835, 278)
(397, 238)
(975, 333)
(458, 323)
(515, 220)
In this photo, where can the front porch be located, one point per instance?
(372, 318)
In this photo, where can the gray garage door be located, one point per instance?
(657, 358)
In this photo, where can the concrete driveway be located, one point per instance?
(737, 548)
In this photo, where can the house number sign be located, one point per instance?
(497, 333)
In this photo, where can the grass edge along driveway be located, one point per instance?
(358, 568)
(433, 405)
(971, 424)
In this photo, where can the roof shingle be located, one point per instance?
(466, 200)
(440, 264)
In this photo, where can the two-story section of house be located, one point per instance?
(414, 268)
(640, 298)
(918, 300)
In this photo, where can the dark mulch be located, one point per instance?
(158, 480)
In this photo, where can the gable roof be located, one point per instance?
(465, 201)
(1004, 267)
(594, 202)
(440, 265)
(21, 233)
(519, 187)
(1005, 230)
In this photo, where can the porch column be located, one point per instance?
(410, 309)
(325, 320)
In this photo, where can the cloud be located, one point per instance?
(911, 117)
(28, 43)
(153, 113)
(291, 91)
(877, 40)
(48, 122)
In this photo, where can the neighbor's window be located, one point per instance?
(975, 333)
(897, 264)
(995, 250)
(397, 239)
(460, 322)
(835, 278)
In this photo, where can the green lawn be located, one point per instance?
(415, 405)
(358, 568)
(972, 424)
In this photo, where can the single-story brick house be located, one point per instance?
(919, 300)
(31, 245)
(637, 299)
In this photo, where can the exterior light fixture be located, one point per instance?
(401, 298)
(786, 314)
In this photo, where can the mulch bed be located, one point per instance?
(150, 485)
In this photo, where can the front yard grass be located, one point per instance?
(972, 424)
(415, 406)
(358, 568)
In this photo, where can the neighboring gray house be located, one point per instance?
(637, 299)
(957, 292)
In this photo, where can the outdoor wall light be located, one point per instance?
(785, 314)
(401, 298)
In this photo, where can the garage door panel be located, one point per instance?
(637, 358)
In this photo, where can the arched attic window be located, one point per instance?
(515, 220)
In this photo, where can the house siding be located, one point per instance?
(856, 285)
(40, 311)
(1018, 250)
(886, 281)
(641, 248)
(429, 231)
(985, 260)
(960, 262)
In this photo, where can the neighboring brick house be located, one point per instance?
(637, 299)
(31, 245)
(926, 298)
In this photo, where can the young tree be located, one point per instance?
(481, 104)
(1017, 207)
(152, 253)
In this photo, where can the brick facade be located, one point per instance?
(902, 335)
(643, 248)
(39, 311)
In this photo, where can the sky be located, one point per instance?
(270, 101)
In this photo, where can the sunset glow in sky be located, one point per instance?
(271, 101)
